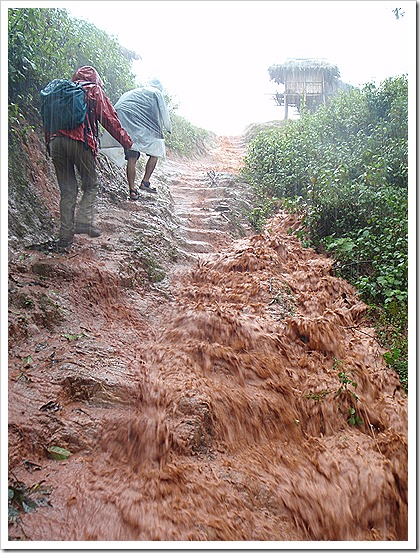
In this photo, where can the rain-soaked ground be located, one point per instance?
(246, 398)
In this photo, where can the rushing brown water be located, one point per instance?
(221, 413)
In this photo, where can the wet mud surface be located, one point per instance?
(241, 397)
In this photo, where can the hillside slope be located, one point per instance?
(203, 378)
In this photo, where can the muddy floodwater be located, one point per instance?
(245, 400)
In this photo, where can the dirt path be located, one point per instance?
(213, 405)
(199, 197)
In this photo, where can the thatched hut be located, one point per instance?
(306, 81)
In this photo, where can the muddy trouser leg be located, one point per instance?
(86, 167)
(62, 154)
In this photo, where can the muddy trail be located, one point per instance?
(231, 390)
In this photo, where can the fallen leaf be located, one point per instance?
(58, 453)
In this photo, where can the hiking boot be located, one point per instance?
(85, 228)
(64, 244)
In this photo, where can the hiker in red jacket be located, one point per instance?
(69, 150)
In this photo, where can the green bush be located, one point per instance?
(345, 169)
(186, 139)
(46, 44)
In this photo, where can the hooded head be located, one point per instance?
(87, 73)
(156, 83)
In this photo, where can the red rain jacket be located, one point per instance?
(102, 109)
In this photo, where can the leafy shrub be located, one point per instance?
(46, 44)
(345, 169)
(185, 139)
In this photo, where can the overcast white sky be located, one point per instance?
(213, 56)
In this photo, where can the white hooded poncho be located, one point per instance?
(143, 114)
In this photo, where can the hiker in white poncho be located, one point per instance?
(143, 114)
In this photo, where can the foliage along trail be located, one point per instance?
(244, 397)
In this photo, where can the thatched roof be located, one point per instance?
(278, 73)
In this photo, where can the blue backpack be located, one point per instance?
(63, 105)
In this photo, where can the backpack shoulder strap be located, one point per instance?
(90, 117)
